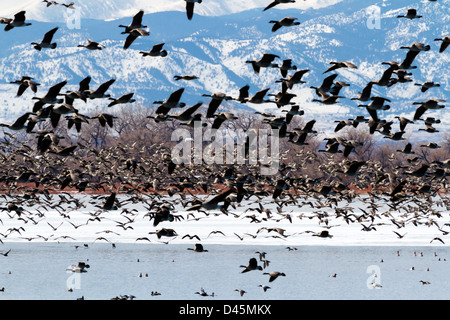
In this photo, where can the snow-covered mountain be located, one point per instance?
(215, 48)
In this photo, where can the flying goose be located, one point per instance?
(264, 62)
(296, 78)
(365, 94)
(326, 85)
(277, 2)
(126, 98)
(135, 24)
(190, 8)
(156, 51)
(220, 118)
(46, 41)
(411, 14)
(328, 99)
(187, 77)
(25, 83)
(445, 42)
(417, 46)
(187, 114)
(91, 45)
(80, 94)
(252, 265)
(50, 98)
(18, 21)
(274, 275)
(19, 124)
(285, 22)
(427, 85)
(198, 248)
(213, 203)
(341, 64)
(105, 119)
(285, 67)
(100, 92)
(133, 35)
(172, 102)
(216, 100)
(425, 105)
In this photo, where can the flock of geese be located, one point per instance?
(36, 180)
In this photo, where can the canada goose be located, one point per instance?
(424, 282)
(213, 203)
(445, 42)
(69, 5)
(301, 138)
(80, 267)
(63, 109)
(274, 275)
(337, 86)
(331, 148)
(411, 14)
(323, 234)
(50, 3)
(76, 120)
(100, 92)
(425, 105)
(105, 119)
(401, 77)
(385, 79)
(285, 67)
(417, 46)
(285, 22)
(252, 265)
(135, 24)
(216, 100)
(241, 291)
(91, 45)
(407, 149)
(296, 78)
(429, 128)
(190, 8)
(47, 41)
(126, 98)
(277, 2)
(342, 124)
(203, 293)
(19, 124)
(403, 122)
(64, 152)
(283, 98)
(377, 103)
(365, 94)
(18, 21)
(156, 51)
(165, 233)
(264, 62)
(195, 121)
(187, 77)
(25, 83)
(295, 110)
(325, 86)
(187, 114)
(50, 98)
(427, 85)
(220, 118)
(328, 99)
(133, 35)
(431, 120)
(341, 64)
(198, 248)
(172, 102)
(395, 136)
(80, 94)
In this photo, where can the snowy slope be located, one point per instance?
(216, 48)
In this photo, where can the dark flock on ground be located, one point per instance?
(38, 170)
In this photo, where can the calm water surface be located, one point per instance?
(38, 271)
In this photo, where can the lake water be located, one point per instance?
(38, 271)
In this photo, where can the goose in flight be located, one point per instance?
(25, 83)
(126, 98)
(213, 203)
(341, 64)
(18, 21)
(445, 42)
(427, 85)
(425, 105)
(135, 24)
(46, 41)
(274, 275)
(100, 92)
(172, 102)
(190, 4)
(285, 67)
(252, 265)
(91, 45)
(417, 46)
(156, 51)
(264, 62)
(365, 94)
(133, 35)
(19, 124)
(216, 100)
(285, 22)
(411, 14)
(277, 2)
(187, 114)
(50, 98)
